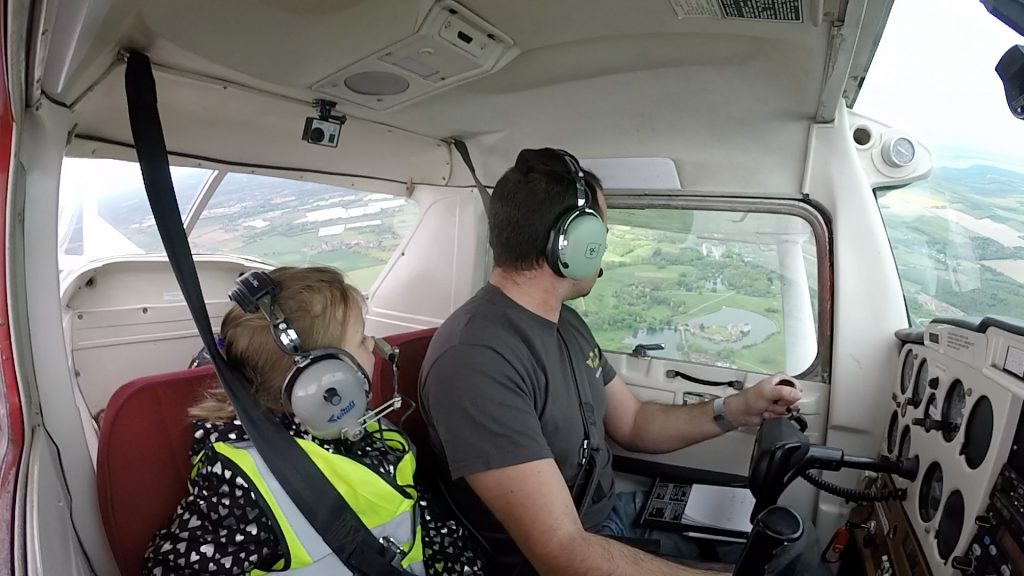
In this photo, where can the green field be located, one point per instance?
(654, 280)
(941, 262)
(363, 278)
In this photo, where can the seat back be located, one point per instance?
(142, 466)
(412, 349)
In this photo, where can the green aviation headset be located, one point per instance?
(578, 241)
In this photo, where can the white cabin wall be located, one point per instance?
(868, 303)
(443, 262)
(126, 318)
(43, 137)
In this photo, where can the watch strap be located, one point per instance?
(724, 424)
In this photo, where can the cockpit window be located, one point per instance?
(293, 222)
(722, 288)
(958, 237)
(104, 212)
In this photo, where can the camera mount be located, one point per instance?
(325, 128)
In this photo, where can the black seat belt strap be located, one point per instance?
(311, 491)
(485, 196)
(582, 488)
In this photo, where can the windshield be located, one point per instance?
(104, 213)
(290, 222)
(103, 210)
(958, 237)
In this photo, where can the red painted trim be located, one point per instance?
(12, 434)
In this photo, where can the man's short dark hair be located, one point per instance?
(527, 203)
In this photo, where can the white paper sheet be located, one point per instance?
(719, 507)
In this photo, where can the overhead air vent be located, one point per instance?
(451, 46)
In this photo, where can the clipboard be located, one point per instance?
(666, 510)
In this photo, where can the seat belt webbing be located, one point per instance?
(311, 491)
(485, 196)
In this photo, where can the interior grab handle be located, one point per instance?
(643, 350)
(734, 384)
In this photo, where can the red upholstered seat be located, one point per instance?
(142, 466)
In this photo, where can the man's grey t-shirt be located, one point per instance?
(497, 390)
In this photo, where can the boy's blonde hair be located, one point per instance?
(317, 302)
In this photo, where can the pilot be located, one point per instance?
(234, 521)
(519, 398)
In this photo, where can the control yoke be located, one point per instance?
(782, 453)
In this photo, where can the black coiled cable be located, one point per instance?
(852, 494)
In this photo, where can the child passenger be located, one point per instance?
(232, 523)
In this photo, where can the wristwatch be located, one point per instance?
(724, 423)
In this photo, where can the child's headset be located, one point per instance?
(578, 242)
(327, 390)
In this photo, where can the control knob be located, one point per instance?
(965, 564)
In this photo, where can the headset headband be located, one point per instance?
(559, 161)
(255, 292)
(576, 171)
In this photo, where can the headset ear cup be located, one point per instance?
(586, 239)
(328, 393)
(289, 385)
(553, 254)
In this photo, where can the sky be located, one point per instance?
(79, 176)
(934, 77)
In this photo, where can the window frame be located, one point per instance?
(878, 193)
(819, 369)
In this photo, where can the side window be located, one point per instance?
(722, 288)
(958, 241)
(103, 210)
(292, 222)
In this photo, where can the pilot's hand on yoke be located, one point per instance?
(764, 401)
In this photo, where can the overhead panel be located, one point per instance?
(451, 46)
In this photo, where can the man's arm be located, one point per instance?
(532, 502)
(658, 428)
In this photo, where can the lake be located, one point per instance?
(760, 329)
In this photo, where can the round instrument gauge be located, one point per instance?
(905, 442)
(931, 407)
(953, 410)
(907, 374)
(898, 152)
(920, 383)
(930, 496)
(951, 525)
(892, 433)
(978, 433)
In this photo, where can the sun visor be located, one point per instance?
(647, 174)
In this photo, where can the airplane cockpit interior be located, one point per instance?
(824, 195)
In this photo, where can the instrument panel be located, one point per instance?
(956, 403)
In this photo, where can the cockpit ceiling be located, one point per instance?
(604, 78)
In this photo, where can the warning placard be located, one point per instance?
(774, 10)
(696, 8)
(958, 342)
